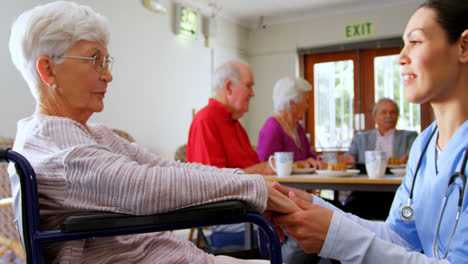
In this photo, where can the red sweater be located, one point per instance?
(218, 140)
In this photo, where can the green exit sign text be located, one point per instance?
(363, 29)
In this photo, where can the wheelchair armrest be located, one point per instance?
(110, 221)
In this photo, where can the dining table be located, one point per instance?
(356, 182)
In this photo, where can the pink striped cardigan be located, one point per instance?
(80, 171)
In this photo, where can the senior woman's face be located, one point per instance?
(81, 86)
(301, 107)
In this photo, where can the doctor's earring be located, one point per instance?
(53, 86)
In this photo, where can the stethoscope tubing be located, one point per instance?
(419, 164)
(409, 206)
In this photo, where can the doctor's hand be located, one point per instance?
(278, 204)
(309, 226)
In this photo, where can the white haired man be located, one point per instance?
(216, 136)
(396, 143)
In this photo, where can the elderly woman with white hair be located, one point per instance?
(283, 132)
(60, 49)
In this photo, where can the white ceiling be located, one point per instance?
(248, 12)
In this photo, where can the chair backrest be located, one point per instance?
(180, 154)
(29, 204)
(123, 134)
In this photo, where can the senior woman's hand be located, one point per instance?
(285, 190)
(312, 163)
(309, 226)
(263, 168)
(278, 204)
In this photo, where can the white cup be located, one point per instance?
(283, 162)
(376, 164)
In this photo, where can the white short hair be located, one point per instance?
(287, 89)
(51, 29)
(227, 71)
(384, 99)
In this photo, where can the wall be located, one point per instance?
(272, 50)
(158, 77)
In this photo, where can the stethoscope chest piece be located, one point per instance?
(407, 213)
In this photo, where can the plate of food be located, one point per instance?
(395, 163)
(337, 173)
(303, 170)
(399, 171)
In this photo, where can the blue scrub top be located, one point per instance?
(431, 183)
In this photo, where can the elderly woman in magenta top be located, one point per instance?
(283, 132)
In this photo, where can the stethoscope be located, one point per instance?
(407, 210)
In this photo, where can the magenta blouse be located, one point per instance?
(272, 138)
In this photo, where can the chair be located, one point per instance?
(123, 135)
(181, 153)
(99, 224)
(233, 243)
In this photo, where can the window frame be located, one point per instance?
(364, 96)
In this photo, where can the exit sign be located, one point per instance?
(363, 29)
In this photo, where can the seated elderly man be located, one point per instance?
(60, 48)
(216, 137)
(396, 143)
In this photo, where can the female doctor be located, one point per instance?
(428, 221)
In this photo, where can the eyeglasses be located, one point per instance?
(100, 62)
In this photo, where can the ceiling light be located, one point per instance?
(154, 5)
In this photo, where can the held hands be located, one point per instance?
(278, 204)
(294, 212)
(308, 226)
(299, 193)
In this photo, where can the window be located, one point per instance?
(389, 83)
(334, 103)
(348, 83)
